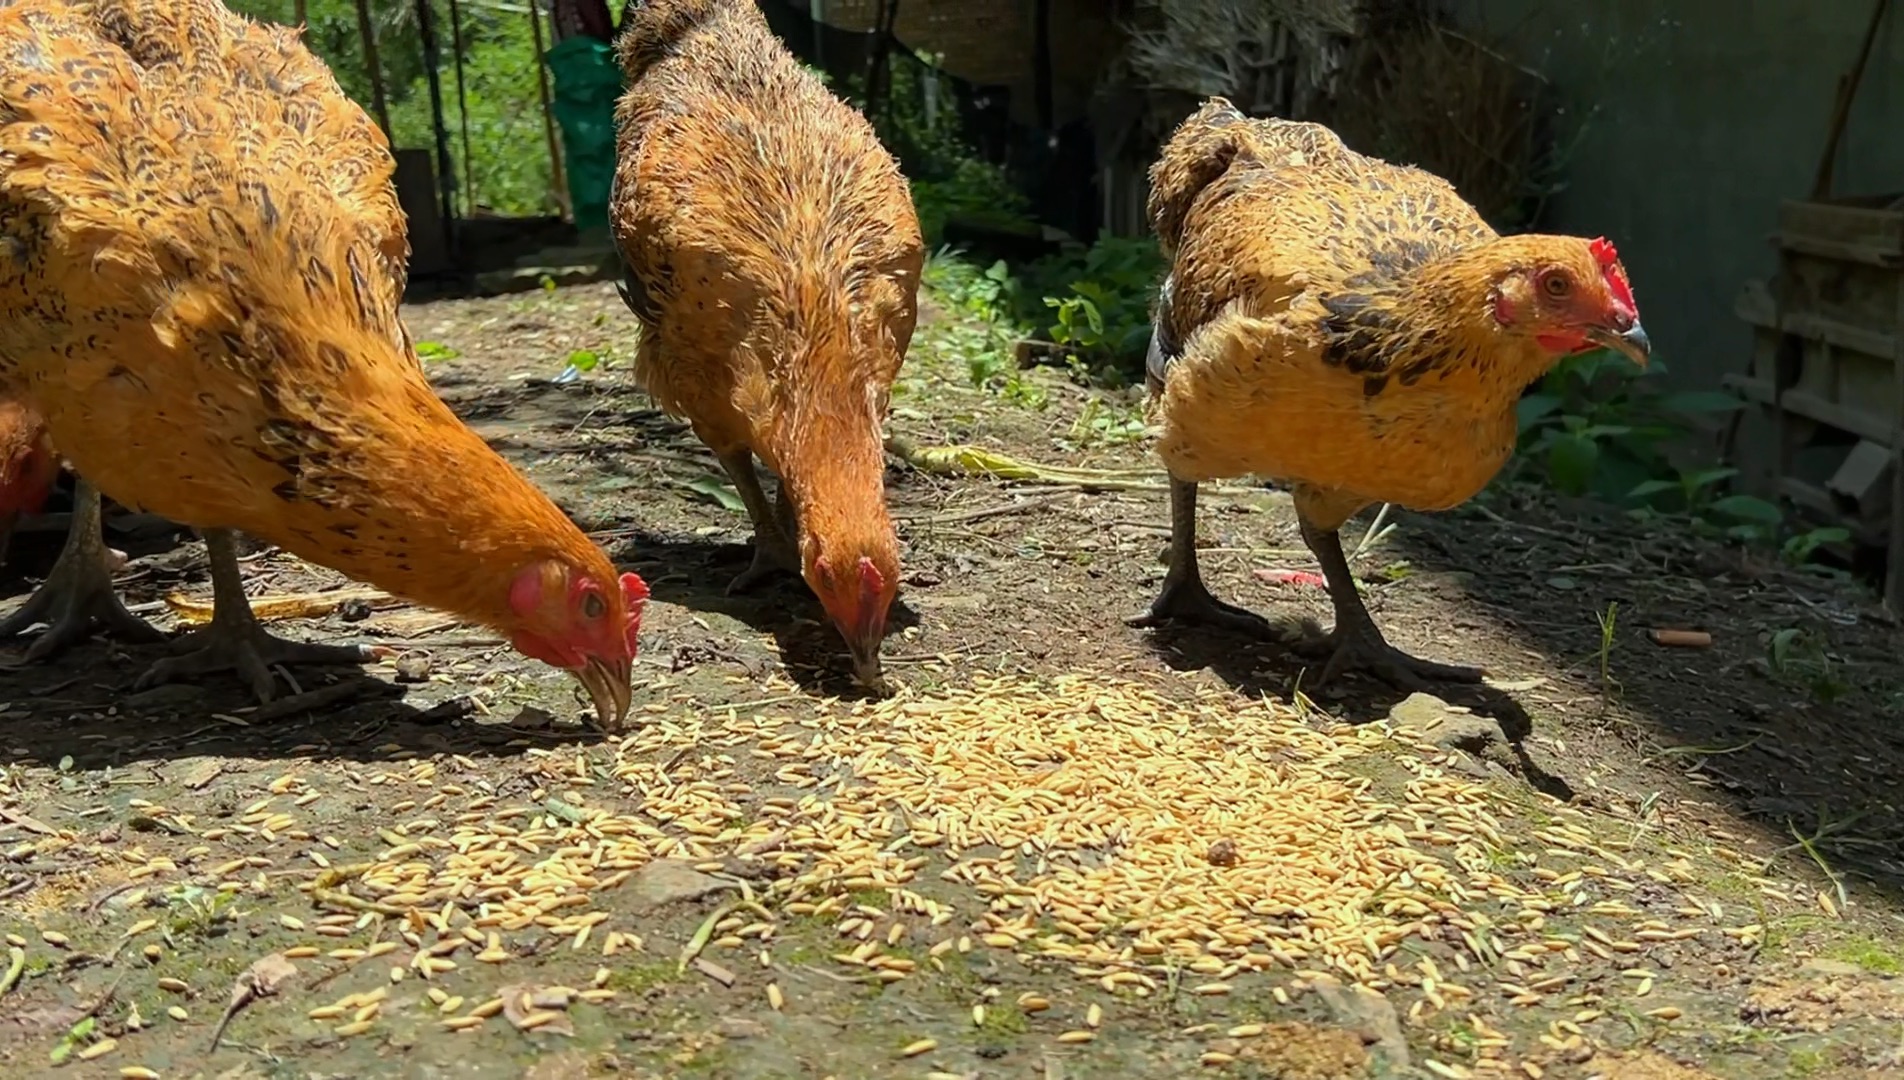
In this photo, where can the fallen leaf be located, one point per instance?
(263, 979)
(28, 821)
(714, 971)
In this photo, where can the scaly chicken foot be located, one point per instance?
(78, 594)
(1184, 597)
(1356, 643)
(773, 525)
(236, 641)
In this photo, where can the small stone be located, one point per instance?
(413, 668)
(735, 1027)
(1223, 853)
(1368, 1014)
(670, 881)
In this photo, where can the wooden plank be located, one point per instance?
(1758, 309)
(1811, 407)
(1749, 387)
(1817, 501)
(1868, 222)
(1844, 250)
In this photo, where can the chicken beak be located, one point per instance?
(867, 670)
(1633, 341)
(608, 689)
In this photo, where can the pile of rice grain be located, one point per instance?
(1099, 823)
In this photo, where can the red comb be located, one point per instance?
(634, 592)
(1615, 275)
(871, 581)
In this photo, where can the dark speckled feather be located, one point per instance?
(1338, 322)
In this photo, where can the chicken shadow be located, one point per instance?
(78, 711)
(1588, 587)
(693, 573)
(1266, 668)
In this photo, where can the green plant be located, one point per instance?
(1798, 657)
(1798, 550)
(1103, 423)
(1101, 297)
(1609, 621)
(1597, 425)
(974, 190)
(984, 340)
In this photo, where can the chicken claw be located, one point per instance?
(236, 641)
(1184, 597)
(1368, 651)
(1187, 600)
(1356, 643)
(77, 594)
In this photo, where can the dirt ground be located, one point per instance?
(1066, 848)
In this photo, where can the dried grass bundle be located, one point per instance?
(1423, 93)
(1268, 56)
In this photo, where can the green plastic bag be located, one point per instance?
(587, 83)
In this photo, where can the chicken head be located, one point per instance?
(1575, 299)
(856, 596)
(576, 619)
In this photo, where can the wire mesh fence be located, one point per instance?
(503, 162)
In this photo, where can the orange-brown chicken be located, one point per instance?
(201, 258)
(1353, 329)
(28, 466)
(774, 261)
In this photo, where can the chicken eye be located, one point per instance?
(1556, 285)
(593, 606)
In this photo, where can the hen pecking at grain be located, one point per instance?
(774, 260)
(1353, 329)
(201, 259)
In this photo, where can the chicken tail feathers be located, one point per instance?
(1198, 152)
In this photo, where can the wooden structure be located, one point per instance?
(1826, 381)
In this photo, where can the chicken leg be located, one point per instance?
(235, 640)
(78, 594)
(773, 524)
(1357, 642)
(1184, 597)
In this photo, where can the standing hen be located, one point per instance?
(774, 261)
(201, 257)
(1354, 329)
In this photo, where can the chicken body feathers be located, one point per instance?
(201, 262)
(1281, 347)
(772, 250)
